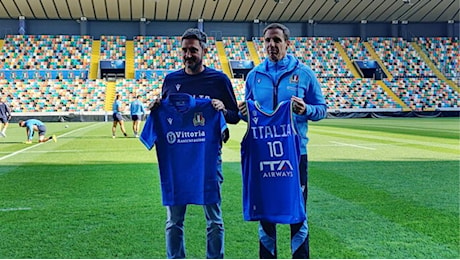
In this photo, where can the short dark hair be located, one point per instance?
(282, 27)
(195, 33)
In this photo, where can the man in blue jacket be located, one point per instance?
(281, 77)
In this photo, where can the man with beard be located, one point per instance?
(282, 77)
(199, 81)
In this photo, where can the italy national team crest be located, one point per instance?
(198, 119)
(294, 79)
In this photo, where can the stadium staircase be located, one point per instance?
(129, 70)
(347, 60)
(110, 91)
(433, 67)
(253, 53)
(393, 95)
(382, 84)
(95, 54)
(376, 58)
(223, 59)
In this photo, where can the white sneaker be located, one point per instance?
(2, 134)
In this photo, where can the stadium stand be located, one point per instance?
(443, 51)
(113, 47)
(357, 95)
(48, 73)
(354, 48)
(425, 94)
(161, 53)
(400, 58)
(236, 48)
(45, 56)
(54, 95)
(317, 52)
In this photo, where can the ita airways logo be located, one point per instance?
(198, 119)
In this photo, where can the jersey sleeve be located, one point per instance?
(148, 135)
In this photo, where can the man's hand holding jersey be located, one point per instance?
(216, 103)
(299, 107)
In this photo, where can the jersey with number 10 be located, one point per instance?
(270, 155)
(187, 133)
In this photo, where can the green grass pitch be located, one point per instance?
(379, 188)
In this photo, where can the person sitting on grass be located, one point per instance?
(35, 125)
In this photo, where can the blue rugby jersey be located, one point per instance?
(187, 133)
(270, 156)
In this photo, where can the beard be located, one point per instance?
(193, 65)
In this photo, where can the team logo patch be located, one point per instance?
(171, 137)
(178, 86)
(170, 120)
(198, 119)
(294, 79)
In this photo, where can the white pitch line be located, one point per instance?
(353, 145)
(35, 145)
(14, 209)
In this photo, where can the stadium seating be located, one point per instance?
(54, 95)
(236, 48)
(443, 51)
(317, 52)
(359, 94)
(46, 52)
(164, 53)
(148, 89)
(400, 58)
(41, 73)
(113, 47)
(420, 94)
(354, 48)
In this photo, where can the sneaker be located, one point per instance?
(2, 134)
(126, 135)
(137, 136)
(113, 137)
(28, 142)
(54, 138)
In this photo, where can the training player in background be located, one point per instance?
(5, 116)
(137, 112)
(35, 125)
(199, 81)
(278, 78)
(118, 117)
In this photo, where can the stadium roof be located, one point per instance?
(322, 11)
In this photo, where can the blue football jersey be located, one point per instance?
(270, 156)
(187, 133)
